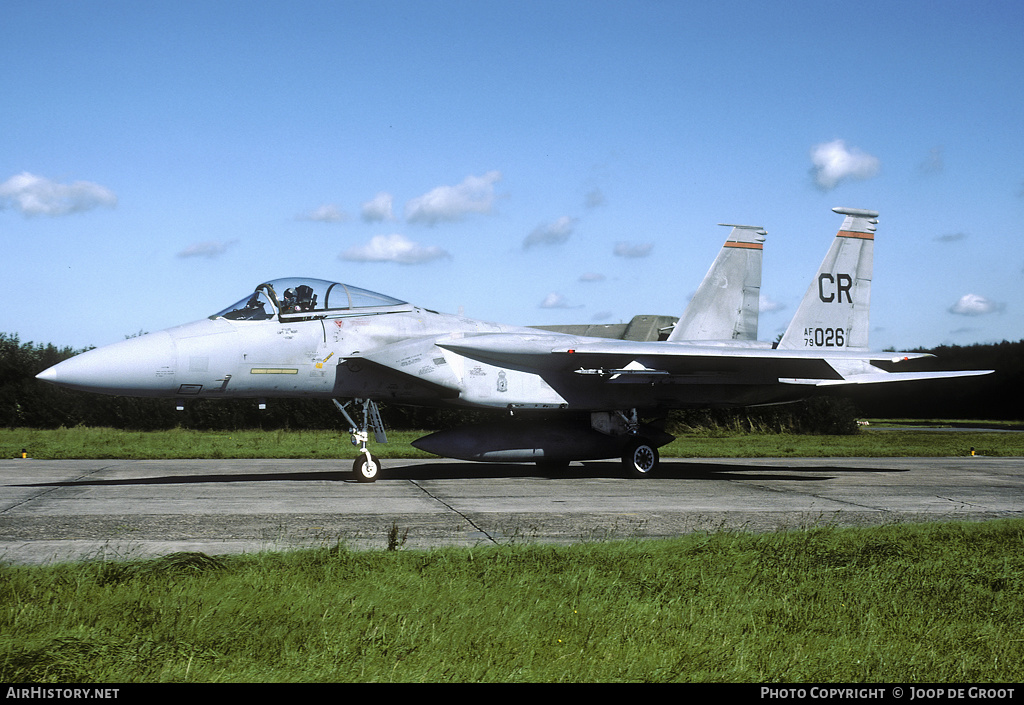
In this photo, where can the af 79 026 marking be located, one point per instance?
(824, 337)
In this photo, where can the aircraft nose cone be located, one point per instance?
(143, 366)
(48, 375)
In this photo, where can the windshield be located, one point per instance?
(299, 296)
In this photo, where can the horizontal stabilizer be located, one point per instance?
(886, 377)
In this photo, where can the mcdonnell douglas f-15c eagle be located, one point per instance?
(575, 397)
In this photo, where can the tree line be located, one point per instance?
(27, 402)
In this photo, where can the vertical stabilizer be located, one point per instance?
(834, 312)
(726, 303)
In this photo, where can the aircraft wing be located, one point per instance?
(628, 361)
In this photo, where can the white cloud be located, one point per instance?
(633, 250)
(766, 305)
(452, 203)
(592, 277)
(554, 300)
(552, 234)
(379, 208)
(210, 250)
(975, 305)
(327, 213)
(393, 248)
(834, 162)
(35, 195)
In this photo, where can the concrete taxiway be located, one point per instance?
(60, 510)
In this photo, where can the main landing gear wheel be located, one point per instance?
(640, 458)
(366, 468)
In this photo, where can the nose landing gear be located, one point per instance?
(367, 466)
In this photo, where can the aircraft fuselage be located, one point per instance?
(386, 355)
(220, 358)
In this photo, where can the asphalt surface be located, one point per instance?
(61, 510)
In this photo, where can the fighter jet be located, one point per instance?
(568, 397)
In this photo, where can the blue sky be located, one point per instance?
(526, 162)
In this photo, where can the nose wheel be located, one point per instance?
(367, 466)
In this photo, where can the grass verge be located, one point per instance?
(99, 443)
(928, 603)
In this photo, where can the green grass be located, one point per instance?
(910, 604)
(999, 424)
(86, 442)
(99, 443)
(866, 444)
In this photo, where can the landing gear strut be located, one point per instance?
(367, 466)
(639, 454)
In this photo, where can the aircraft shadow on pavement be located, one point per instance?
(668, 470)
(303, 476)
(443, 470)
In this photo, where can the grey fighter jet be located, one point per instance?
(569, 397)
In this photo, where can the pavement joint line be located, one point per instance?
(52, 487)
(456, 511)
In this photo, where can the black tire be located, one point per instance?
(366, 471)
(640, 458)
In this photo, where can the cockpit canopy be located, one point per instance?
(303, 297)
